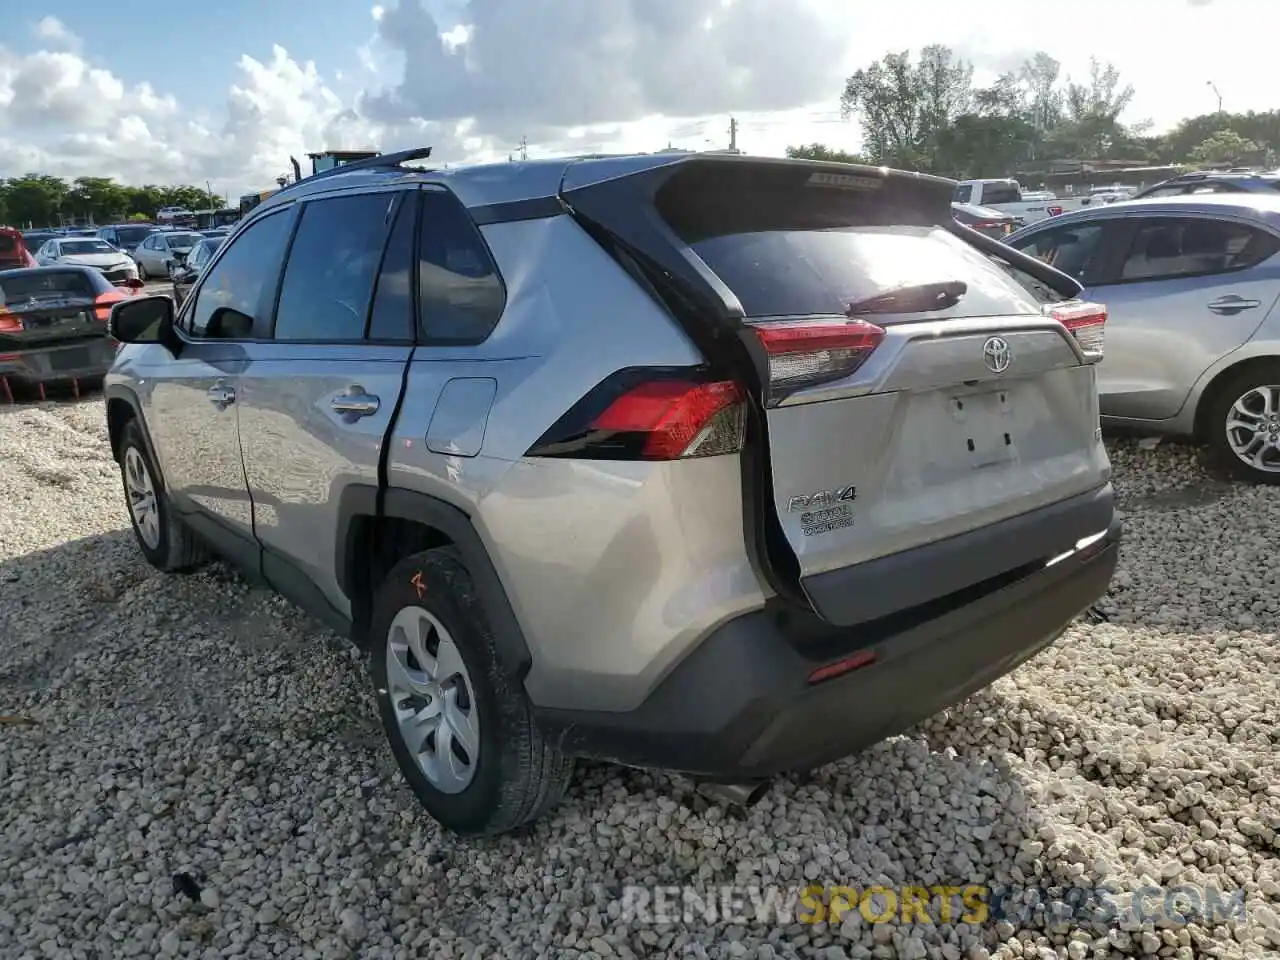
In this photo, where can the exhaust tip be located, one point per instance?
(742, 793)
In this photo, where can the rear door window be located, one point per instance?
(1072, 249)
(1170, 247)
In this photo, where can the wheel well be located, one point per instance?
(119, 413)
(376, 545)
(1222, 377)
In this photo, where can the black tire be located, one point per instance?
(177, 549)
(518, 776)
(1218, 456)
(142, 272)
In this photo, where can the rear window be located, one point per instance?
(791, 272)
(1000, 193)
(6, 243)
(45, 285)
(133, 234)
(789, 240)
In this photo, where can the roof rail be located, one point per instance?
(380, 162)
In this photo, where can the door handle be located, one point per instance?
(355, 403)
(222, 395)
(1233, 304)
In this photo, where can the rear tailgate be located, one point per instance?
(887, 431)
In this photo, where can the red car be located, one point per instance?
(13, 250)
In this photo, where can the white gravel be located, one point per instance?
(188, 767)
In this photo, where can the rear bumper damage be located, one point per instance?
(742, 705)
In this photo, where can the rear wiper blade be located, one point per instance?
(917, 298)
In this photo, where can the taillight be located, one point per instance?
(8, 322)
(1087, 323)
(1053, 211)
(803, 353)
(634, 416)
(103, 302)
(989, 224)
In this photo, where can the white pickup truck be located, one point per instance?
(1008, 197)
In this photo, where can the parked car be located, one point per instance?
(35, 239)
(53, 324)
(13, 250)
(126, 236)
(88, 252)
(1008, 197)
(159, 251)
(693, 536)
(1202, 182)
(186, 273)
(1193, 332)
(986, 220)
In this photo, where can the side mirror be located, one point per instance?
(144, 320)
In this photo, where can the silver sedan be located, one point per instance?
(1191, 286)
(161, 251)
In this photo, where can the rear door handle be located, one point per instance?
(355, 403)
(1233, 304)
(222, 395)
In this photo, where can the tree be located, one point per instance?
(35, 198)
(1227, 146)
(904, 106)
(1038, 80)
(817, 151)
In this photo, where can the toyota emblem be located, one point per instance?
(996, 355)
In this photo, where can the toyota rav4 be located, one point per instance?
(723, 465)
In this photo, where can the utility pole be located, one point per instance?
(733, 134)
(1214, 87)
(524, 148)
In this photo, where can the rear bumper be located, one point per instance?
(741, 706)
(78, 359)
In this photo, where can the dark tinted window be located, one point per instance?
(132, 234)
(45, 285)
(392, 316)
(1189, 247)
(7, 244)
(334, 258)
(1174, 190)
(238, 280)
(458, 284)
(1073, 249)
(1000, 193)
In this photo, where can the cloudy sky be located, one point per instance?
(226, 92)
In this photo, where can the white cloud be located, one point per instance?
(53, 32)
(575, 77)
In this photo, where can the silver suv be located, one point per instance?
(724, 465)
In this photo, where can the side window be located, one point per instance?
(1070, 249)
(230, 298)
(459, 290)
(197, 255)
(334, 258)
(963, 193)
(1188, 247)
(392, 316)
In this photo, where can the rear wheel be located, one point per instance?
(142, 272)
(1241, 426)
(459, 726)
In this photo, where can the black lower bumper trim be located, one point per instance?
(740, 705)
(877, 588)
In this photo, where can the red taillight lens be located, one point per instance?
(1053, 211)
(803, 353)
(103, 302)
(642, 415)
(1087, 323)
(8, 322)
(678, 419)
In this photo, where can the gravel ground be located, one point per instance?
(189, 767)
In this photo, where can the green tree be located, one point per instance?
(904, 105)
(100, 198)
(1227, 146)
(818, 151)
(35, 198)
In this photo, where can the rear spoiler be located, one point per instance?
(1057, 281)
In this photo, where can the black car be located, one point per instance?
(53, 325)
(126, 236)
(35, 239)
(1209, 182)
(186, 272)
